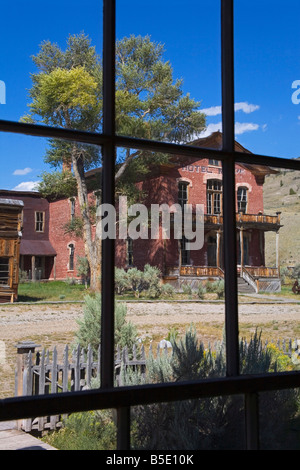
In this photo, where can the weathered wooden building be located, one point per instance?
(10, 236)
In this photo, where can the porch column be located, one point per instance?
(33, 278)
(179, 260)
(218, 248)
(277, 250)
(242, 246)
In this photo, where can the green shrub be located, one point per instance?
(209, 286)
(93, 430)
(296, 272)
(218, 287)
(137, 281)
(89, 331)
(284, 274)
(187, 290)
(83, 269)
(122, 283)
(23, 276)
(215, 423)
(212, 423)
(167, 290)
(201, 291)
(152, 281)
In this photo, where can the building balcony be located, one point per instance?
(260, 221)
(258, 278)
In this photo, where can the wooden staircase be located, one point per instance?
(244, 287)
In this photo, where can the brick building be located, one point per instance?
(48, 252)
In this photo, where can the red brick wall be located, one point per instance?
(60, 214)
(162, 188)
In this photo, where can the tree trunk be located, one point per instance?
(92, 247)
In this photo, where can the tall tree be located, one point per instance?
(67, 92)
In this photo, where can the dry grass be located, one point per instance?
(55, 325)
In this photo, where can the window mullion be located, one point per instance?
(229, 227)
(108, 244)
(108, 177)
(230, 258)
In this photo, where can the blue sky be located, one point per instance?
(267, 62)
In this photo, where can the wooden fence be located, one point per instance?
(42, 373)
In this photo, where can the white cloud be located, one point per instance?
(213, 111)
(240, 128)
(242, 106)
(246, 107)
(26, 186)
(211, 128)
(25, 171)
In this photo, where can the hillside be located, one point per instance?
(282, 194)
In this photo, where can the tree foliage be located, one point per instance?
(67, 92)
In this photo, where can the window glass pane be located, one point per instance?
(207, 424)
(4, 272)
(92, 430)
(267, 87)
(279, 423)
(267, 250)
(43, 258)
(55, 77)
(173, 290)
(168, 70)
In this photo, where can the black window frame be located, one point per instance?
(5, 271)
(71, 247)
(122, 398)
(39, 221)
(183, 196)
(129, 252)
(72, 208)
(214, 191)
(242, 199)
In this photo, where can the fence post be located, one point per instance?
(23, 348)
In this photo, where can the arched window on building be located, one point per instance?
(71, 247)
(183, 193)
(129, 251)
(242, 199)
(214, 196)
(72, 208)
(185, 252)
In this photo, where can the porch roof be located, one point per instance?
(36, 248)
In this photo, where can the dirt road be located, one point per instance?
(19, 322)
(55, 325)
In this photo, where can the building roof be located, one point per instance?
(214, 141)
(36, 248)
(11, 203)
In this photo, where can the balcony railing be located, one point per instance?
(217, 219)
(214, 271)
(262, 271)
(195, 271)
